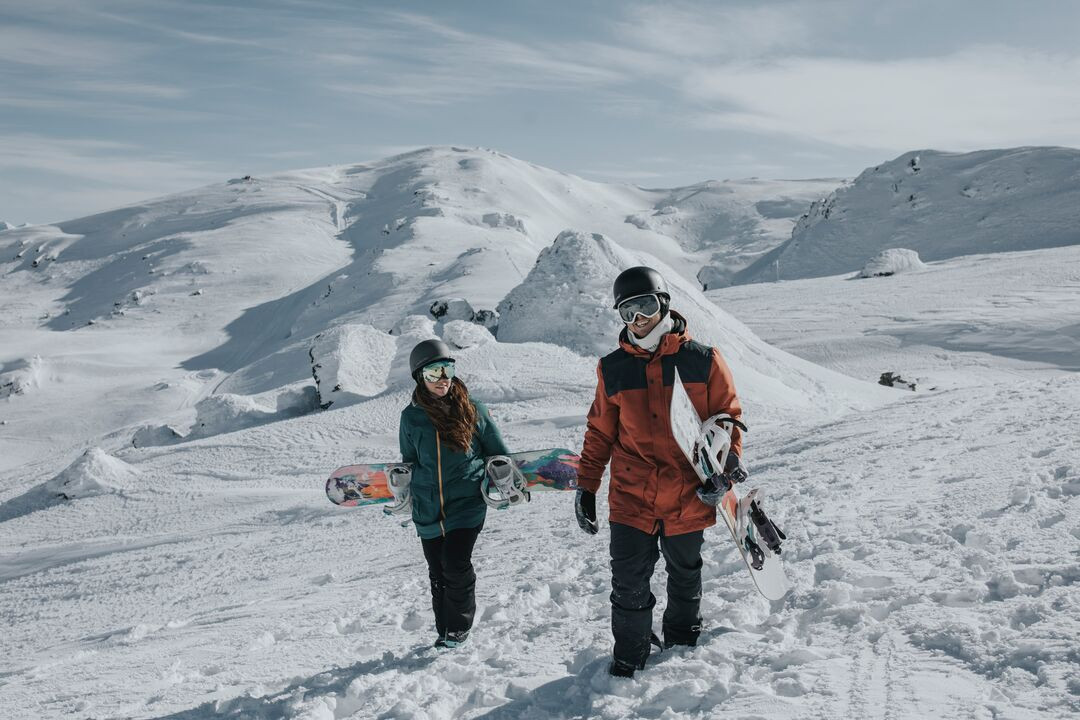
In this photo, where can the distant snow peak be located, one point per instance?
(4, 225)
(890, 262)
(94, 473)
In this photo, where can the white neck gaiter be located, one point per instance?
(652, 341)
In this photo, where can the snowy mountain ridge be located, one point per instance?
(234, 281)
(941, 205)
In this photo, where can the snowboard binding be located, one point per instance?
(767, 530)
(509, 484)
(711, 455)
(398, 479)
(756, 529)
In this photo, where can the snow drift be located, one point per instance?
(95, 473)
(890, 262)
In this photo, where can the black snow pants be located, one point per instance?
(633, 557)
(453, 580)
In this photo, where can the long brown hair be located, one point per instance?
(453, 415)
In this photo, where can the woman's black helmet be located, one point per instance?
(426, 353)
(639, 280)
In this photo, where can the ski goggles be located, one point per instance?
(644, 305)
(436, 371)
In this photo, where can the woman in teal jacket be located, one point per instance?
(446, 436)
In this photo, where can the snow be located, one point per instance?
(941, 205)
(201, 572)
(890, 262)
(95, 473)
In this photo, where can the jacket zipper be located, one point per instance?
(442, 502)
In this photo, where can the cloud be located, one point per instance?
(30, 46)
(117, 165)
(976, 98)
(686, 30)
(445, 64)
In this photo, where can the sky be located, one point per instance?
(104, 103)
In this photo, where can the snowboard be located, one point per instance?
(358, 485)
(769, 578)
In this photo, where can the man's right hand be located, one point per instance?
(714, 488)
(585, 509)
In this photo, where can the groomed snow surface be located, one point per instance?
(933, 535)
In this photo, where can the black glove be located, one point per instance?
(734, 469)
(585, 509)
(714, 488)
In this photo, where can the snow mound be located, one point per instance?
(227, 412)
(941, 205)
(351, 362)
(566, 300)
(452, 309)
(464, 334)
(890, 262)
(566, 297)
(504, 220)
(17, 377)
(4, 225)
(94, 473)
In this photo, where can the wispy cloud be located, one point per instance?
(981, 97)
(28, 45)
(117, 164)
(702, 31)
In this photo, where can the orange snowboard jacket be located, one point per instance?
(652, 486)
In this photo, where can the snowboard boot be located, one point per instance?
(623, 668)
(452, 639)
(681, 638)
(620, 668)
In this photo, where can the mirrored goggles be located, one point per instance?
(436, 371)
(644, 305)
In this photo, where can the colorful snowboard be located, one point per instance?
(685, 424)
(357, 485)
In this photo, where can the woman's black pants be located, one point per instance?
(453, 580)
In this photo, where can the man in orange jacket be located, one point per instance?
(654, 503)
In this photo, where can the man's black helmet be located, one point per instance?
(426, 353)
(639, 280)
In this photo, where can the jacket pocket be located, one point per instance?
(630, 475)
(425, 505)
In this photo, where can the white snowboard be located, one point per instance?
(685, 426)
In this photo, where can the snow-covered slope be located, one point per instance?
(202, 572)
(928, 581)
(940, 205)
(231, 283)
(958, 322)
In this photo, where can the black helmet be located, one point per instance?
(639, 280)
(426, 353)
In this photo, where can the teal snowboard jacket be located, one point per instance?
(445, 484)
